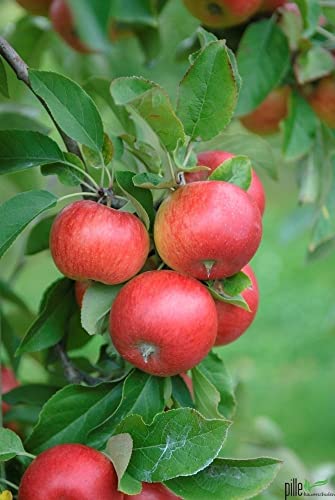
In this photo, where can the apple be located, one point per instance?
(233, 320)
(71, 472)
(266, 118)
(89, 241)
(163, 322)
(271, 5)
(153, 491)
(80, 288)
(213, 159)
(63, 22)
(322, 100)
(36, 7)
(208, 229)
(8, 382)
(222, 13)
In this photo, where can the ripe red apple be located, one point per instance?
(208, 229)
(153, 491)
(89, 241)
(36, 7)
(62, 21)
(163, 322)
(322, 100)
(233, 320)
(80, 288)
(271, 5)
(8, 382)
(213, 159)
(222, 13)
(266, 118)
(71, 472)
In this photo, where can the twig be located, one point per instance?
(327, 34)
(71, 372)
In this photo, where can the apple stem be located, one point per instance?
(209, 266)
(146, 351)
(188, 153)
(72, 195)
(325, 33)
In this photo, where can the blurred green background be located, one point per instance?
(285, 363)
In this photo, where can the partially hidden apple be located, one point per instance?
(266, 118)
(271, 5)
(222, 13)
(36, 7)
(89, 241)
(71, 472)
(322, 100)
(163, 322)
(80, 288)
(208, 229)
(8, 382)
(63, 22)
(233, 320)
(153, 491)
(213, 159)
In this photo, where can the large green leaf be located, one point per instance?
(91, 20)
(263, 59)
(177, 443)
(142, 394)
(20, 150)
(38, 238)
(227, 479)
(71, 413)
(235, 170)
(152, 103)
(300, 128)
(9, 340)
(17, 212)
(20, 118)
(3, 80)
(97, 303)
(50, 326)
(73, 109)
(208, 93)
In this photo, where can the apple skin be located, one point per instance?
(322, 100)
(62, 21)
(208, 222)
(36, 7)
(168, 314)
(266, 118)
(233, 320)
(8, 382)
(153, 491)
(72, 472)
(80, 288)
(222, 13)
(271, 5)
(89, 241)
(213, 159)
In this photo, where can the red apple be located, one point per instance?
(8, 382)
(153, 491)
(222, 13)
(233, 320)
(80, 288)
(63, 22)
(266, 118)
(208, 229)
(322, 100)
(163, 322)
(89, 241)
(271, 5)
(213, 159)
(70, 472)
(36, 7)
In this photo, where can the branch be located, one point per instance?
(71, 372)
(21, 70)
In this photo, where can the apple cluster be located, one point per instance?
(165, 321)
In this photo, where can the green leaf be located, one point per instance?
(263, 60)
(3, 80)
(67, 174)
(207, 397)
(30, 36)
(152, 103)
(140, 198)
(130, 485)
(12, 118)
(255, 147)
(236, 170)
(227, 479)
(142, 394)
(146, 153)
(314, 64)
(135, 11)
(213, 369)
(73, 109)
(91, 22)
(38, 239)
(71, 413)
(204, 109)
(218, 292)
(17, 212)
(10, 445)
(9, 340)
(311, 12)
(236, 284)
(292, 26)
(177, 443)
(147, 180)
(97, 303)
(51, 325)
(30, 394)
(300, 128)
(23, 149)
(119, 449)
(181, 393)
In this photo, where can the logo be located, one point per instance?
(295, 488)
